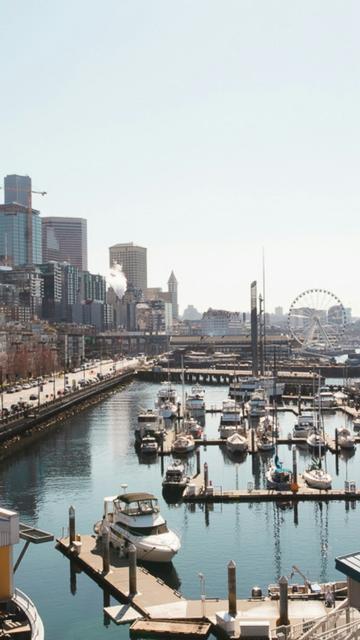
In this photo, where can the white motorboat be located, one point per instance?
(192, 427)
(237, 443)
(346, 439)
(316, 440)
(257, 404)
(195, 401)
(227, 430)
(277, 477)
(304, 426)
(175, 479)
(325, 399)
(134, 518)
(184, 443)
(266, 424)
(167, 399)
(154, 429)
(356, 422)
(231, 413)
(149, 446)
(265, 442)
(316, 477)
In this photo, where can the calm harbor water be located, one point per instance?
(92, 454)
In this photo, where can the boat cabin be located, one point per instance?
(137, 504)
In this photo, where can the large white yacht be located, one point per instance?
(304, 426)
(195, 402)
(325, 399)
(167, 400)
(257, 404)
(134, 518)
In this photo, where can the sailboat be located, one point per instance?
(315, 476)
(277, 477)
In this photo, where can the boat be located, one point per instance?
(175, 479)
(356, 422)
(304, 426)
(195, 402)
(230, 413)
(236, 443)
(316, 477)
(345, 438)
(242, 390)
(316, 440)
(152, 429)
(266, 425)
(227, 430)
(184, 443)
(277, 477)
(167, 400)
(311, 590)
(19, 616)
(149, 446)
(134, 518)
(325, 399)
(257, 404)
(265, 442)
(192, 427)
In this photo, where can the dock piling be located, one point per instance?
(206, 475)
(283, 619)
(198, 468)
(232, 588)
(106, 551)
(71, 525)
(294, 465)
(132, 570)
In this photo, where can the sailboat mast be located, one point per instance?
(264, 311)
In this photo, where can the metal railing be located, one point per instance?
(335, 625)
(27, 605)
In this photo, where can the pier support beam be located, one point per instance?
(294, 461)
(132, 570)
(232, 588)
(198, 468)
(283, 604)
(206, 476)
(71, 525)
(106, 551)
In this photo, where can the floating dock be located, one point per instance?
(166, 628)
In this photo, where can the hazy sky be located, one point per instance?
(204, 130)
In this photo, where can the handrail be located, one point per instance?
(26, 604)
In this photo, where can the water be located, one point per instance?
(92, 454)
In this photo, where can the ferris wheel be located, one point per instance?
(317, 319)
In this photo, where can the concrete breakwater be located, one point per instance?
(20, 432)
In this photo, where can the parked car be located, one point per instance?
(33, 396)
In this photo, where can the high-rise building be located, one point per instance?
(173, 289)
(14, 235)
(133, 261)
(65, 239)
(17, 189)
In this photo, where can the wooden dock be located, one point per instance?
(196, 492)
(174, 628)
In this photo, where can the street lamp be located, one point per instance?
(203, 592)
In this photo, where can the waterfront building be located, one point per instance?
(154, 316)
(173, 290)
(133, 260)
(93, 287)
(65, 240)
(17, 189)
(217, 322)
(191, 313)
(14, 246)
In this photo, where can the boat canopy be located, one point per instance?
(136, 497)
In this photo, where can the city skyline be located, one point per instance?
(245, 139)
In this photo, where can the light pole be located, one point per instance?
(202, 592)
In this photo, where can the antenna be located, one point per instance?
(264, 308)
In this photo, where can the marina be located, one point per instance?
(92, 453)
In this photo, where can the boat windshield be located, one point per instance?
(145, 531)
(140, 507)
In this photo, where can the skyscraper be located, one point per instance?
(173, 289)
(65, 240)
(16, 248)
(133, 261)
(17, 189)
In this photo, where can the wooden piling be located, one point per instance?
(106, 551)
(198, 468)
(232, 588)
(71, 524)
(132, 570)
(206, 475)
(283, 606)
(294, 460)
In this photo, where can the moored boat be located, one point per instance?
(149, 446)
(265, 442)
(236, 443)
(316, 440)
(184, 443)
(134, 518)
(192, 427)
(346, 439)
(175, 479)
(277, 477)
(303, 427)
(195, 402)
(316, 477)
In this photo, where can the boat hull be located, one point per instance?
(145, 551)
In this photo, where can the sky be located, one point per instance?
(208, 131)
